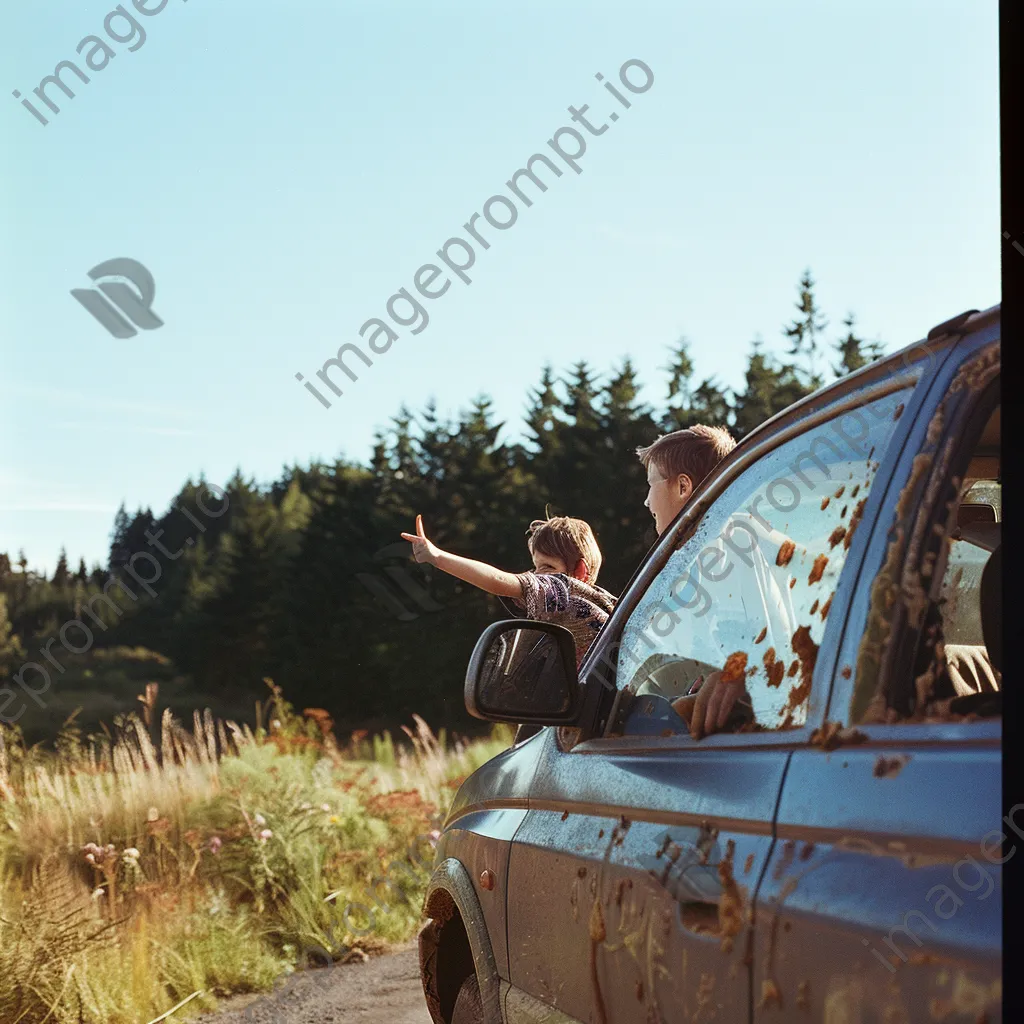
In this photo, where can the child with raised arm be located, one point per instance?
(561, 588)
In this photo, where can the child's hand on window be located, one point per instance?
(423, 550)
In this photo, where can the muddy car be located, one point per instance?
(836, 852)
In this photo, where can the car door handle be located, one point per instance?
(701, 917)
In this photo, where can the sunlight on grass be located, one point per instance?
(137, 874)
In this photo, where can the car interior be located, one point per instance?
(969, 611)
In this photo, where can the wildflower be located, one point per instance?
(326, 808)
(276, 723)
(265, 835)
(334, 819)
(131, 854)
(98, 893)
(435, 835)
(153, 814)
(260, 820)
(215, 845)
(91, 859)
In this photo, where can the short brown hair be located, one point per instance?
(694, 452)
(570, 540)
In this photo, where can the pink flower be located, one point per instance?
(265, 835)
(215, 844)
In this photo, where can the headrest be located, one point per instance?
(991, 599)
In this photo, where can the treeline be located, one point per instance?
(302, 580)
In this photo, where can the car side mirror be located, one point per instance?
(524, 671)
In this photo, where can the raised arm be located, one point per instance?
(479, 574)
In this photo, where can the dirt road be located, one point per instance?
(383, 990)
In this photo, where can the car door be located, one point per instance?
(882, 901)
(633, 878)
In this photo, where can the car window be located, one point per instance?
(749, 591)
(928, 649)
(958, 675)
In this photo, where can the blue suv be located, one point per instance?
(836, 854)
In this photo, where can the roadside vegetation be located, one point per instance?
(153, 865)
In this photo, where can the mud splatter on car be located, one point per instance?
(818, 569)
(786, 550)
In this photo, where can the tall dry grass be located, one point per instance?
(149, 867)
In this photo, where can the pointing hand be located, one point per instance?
(423, 550)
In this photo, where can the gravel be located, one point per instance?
(383, 990)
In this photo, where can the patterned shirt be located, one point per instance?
(567, 601)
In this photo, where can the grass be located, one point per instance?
(153, 865)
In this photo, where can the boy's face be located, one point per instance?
(665, 496)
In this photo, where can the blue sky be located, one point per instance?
(282, 169)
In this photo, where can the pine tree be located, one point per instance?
(804, 331)
(11, 649)
(61, 575)
(854, 352)
(849, 349)
(541, 419)
(711, 404)
(581, 393)
(616, 512)
(83, 574)
(119, 551)
(680, 392)
(566, 475)
(23, 580)
(769, 389)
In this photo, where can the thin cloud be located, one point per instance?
(60, 506)
(136, 428)
(105, 404)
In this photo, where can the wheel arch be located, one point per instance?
(454, 943)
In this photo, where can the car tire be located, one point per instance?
(469, 1006)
